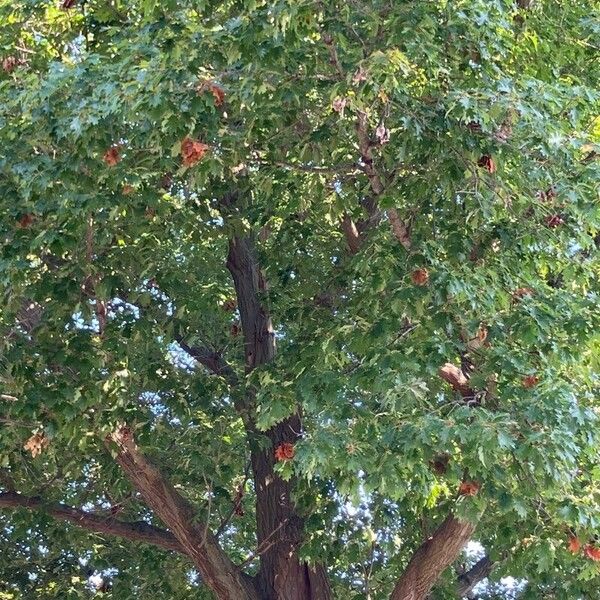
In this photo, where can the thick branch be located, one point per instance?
(478, 572)
(259, 337)
(138, 531)
(212, 360)
(216, 569)
(431, 558)
(457, 379)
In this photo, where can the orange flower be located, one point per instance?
(468, 488)
(285, 451)
(112, 156)
(420, 277)
(487, 162)
(192, 151)
(592, 552)
(574, 544)
(128, 190)
(530, 381)
(218, 93)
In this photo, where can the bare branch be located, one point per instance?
(259, 337)
(138, 531)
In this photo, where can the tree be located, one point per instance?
(298, 298)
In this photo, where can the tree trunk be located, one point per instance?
(281, 576)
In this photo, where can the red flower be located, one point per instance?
(192, 151)
(420, 276)
(468, 488)
(112, 156)
(592, 552)
(487, 162)
(285, 451)
(574, 544)
(530, 381)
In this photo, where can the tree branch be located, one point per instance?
(399, 229)
(431, 558)
(259, 337)
(138, 531)
(219, 573)
(211, 359)
(479, 571)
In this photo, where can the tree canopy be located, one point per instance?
(298, 298)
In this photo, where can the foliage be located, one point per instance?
(124, 125)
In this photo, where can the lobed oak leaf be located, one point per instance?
(229, 305)
(554, 221)
(574, 544)
(592, 552)
(487, 162)
(338, 105)
(10, 63)
(36, 444)
(25, 221)
(521, 293)
(218, 93)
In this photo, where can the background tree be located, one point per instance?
(298, 298)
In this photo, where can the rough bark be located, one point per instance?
(431, 558)
(282, 576)
(138, 531)
(224, 578)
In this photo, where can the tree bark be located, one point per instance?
(431, 558)
(139, 531)
(224, 578)
(282, 576)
